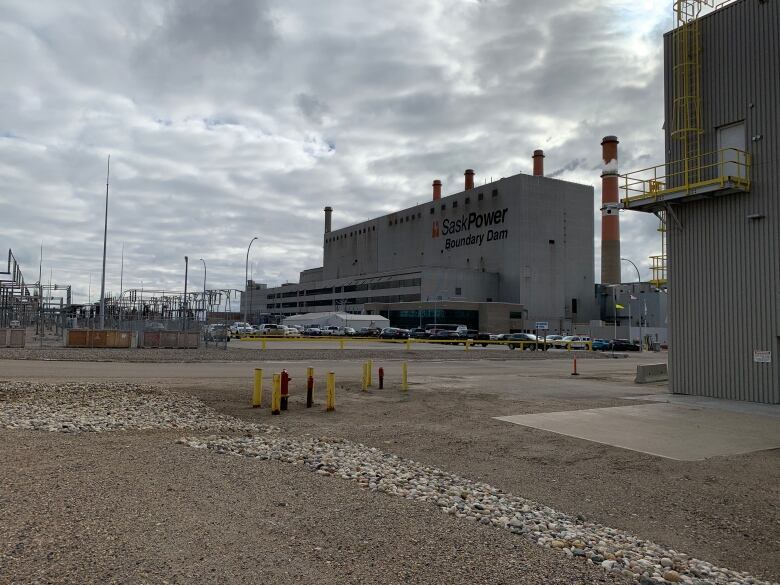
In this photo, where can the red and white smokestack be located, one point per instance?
(328, 214)
(436, 190)
(538, 163)
(610, 208)
(469, 174)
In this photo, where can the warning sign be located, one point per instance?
(762, 357)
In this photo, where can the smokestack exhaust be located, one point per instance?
(469, 174)
(436, 190)
(610, 208)
(328, 214)
(538, 163)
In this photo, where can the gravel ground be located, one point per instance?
(132, 530)
(85, 506)
(725, 510)
(249, 355)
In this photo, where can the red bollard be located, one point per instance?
(381, 378)
(310, 388)
(285, 388)
(574, 372)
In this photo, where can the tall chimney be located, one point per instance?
(469, 179)
(538, 163)
(328, 214)
(436, 190)
(610, 207)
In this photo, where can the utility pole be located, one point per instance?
(246, 281)
(184, 303)
(205, 301)
(105, 238)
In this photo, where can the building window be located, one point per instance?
(515, 314)
(443, 206)
(574, 305)
(480, 196)
(432, 210)
(468, 200)
(552, 241)
(457, 291)
(454, 204)
(495, 193)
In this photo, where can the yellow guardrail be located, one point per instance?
(711, 169)
(468, 343)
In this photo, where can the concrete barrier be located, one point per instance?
(651, 373)
(12, 337)
(169, 339)
(106, 338)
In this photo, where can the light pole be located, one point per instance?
(246, 279)
(186, 268)
(205, 305)
(639, 280)
(105, 237)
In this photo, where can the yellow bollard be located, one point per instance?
(404, 371)
(370, 372)
(468, 344)
(331, 393)
(408, 344)
(257, 395)
(276, 397)
(364, 380)
(262, 344)
(341, 344)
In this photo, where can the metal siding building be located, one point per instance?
(522, 240)
(724, 252)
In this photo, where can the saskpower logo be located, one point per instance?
(467, 223)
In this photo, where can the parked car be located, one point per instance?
(329, 330)
(623, 345)
(346, 331)
(443, 335)
(369, 332)
(573, 342)
(527, 341)
(312, 332)
(551, 339)
(216, 332)
(291, 332)
(475, 336)
(600, 344)
(418, 333)
(394, 333)
(271, 330)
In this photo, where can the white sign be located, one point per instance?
(542, 325)
(762, 357)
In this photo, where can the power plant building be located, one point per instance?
(717, 194)
(499, 256)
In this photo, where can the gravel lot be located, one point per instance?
(248, 354)
(157, 510)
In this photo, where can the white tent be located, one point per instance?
(337, 319)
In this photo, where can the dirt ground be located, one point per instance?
(725, 510)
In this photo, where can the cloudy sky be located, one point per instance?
(228, 119)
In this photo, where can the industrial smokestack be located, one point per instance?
(538, 163)
(436, 190)
(469, 179)
(328, 214)
(610, 207)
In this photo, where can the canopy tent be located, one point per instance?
(337, 319)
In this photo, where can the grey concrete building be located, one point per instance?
(525, 241)
(718, 194)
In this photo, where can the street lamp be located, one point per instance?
(246, 280)
(184, 305)
(639, 280)
(205, 305)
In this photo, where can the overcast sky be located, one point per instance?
(227, 119)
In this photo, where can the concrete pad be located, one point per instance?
(674, 431)
(717, 403)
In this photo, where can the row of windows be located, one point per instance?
(407, 218)
(350, 301)
(352, 233)
(401, 283)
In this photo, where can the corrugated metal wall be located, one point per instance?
(724, 268)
